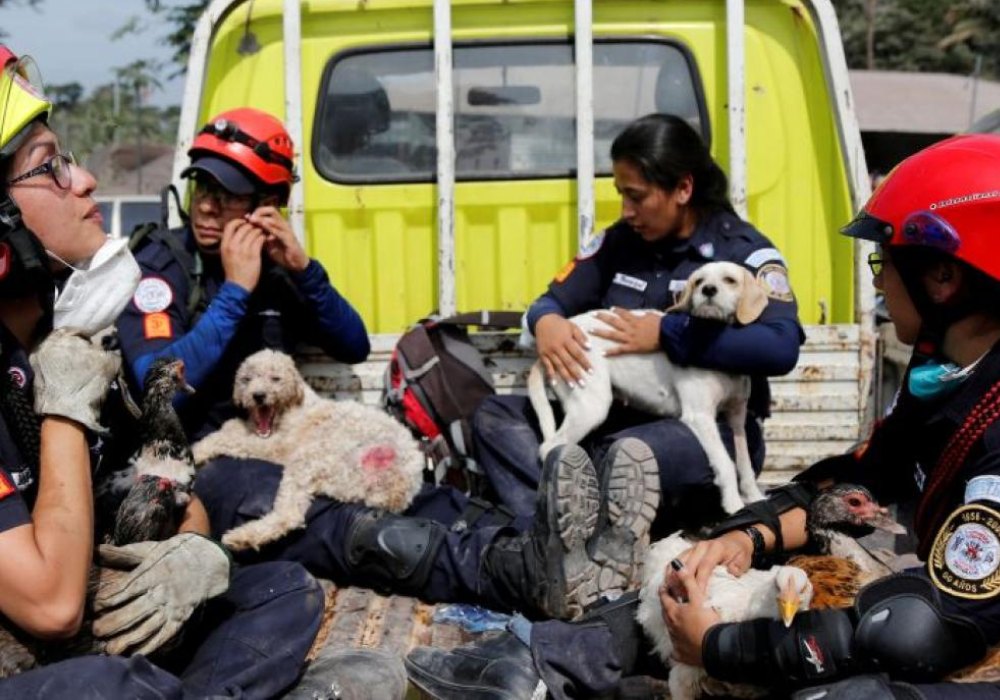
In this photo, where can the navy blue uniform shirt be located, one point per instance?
(18, 481)
(626, 271)
(284, 310)
(901, 460)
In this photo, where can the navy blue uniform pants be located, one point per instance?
(250, 642)
(507, 437)
(237, 490)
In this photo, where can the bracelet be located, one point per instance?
(757, 558)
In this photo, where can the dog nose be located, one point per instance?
(259, 396)
(709, 290)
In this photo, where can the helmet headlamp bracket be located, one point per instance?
(230, 131)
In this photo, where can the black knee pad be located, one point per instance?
(391, 552)
(903, 631)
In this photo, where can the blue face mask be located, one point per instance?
(936, 379)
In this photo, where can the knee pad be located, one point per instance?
(390, 552)
(903, 631)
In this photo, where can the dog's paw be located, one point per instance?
(732, 503)
(243, 537)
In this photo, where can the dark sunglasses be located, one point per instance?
(58, 166)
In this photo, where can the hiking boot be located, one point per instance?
(630, 495)
(497, 668)
(352, 674)
(547, 570)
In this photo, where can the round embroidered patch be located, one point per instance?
(590, 246)
(965, 557)
(18, 376)
(153, 294)
(774, 279)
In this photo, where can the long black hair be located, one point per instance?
(665, 148)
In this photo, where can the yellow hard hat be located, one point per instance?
(21, 98)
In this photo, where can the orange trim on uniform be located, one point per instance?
(6, 488)
(157, 325)
(565, 272)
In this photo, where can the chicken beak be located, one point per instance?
(789, 602)
(881, 520)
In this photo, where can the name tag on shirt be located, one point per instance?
(677, 285)
(630, 282)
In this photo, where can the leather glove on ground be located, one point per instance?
(72, 375)
(139, 613)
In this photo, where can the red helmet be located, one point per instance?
(945, 197)
(252, 139)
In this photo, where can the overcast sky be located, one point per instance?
(70, 41)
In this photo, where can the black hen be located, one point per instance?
(149, 511)
(162, 468)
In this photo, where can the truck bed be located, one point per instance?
(817, 409)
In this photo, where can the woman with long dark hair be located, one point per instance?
(675, 217)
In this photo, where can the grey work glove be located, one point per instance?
(72, 375)
(140, 612)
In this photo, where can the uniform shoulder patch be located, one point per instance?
(565, 272)
(6, 488)
(983, 488)
(157, 325)
(965, 557)
(773, 277)
(591, 246)
(153, 294)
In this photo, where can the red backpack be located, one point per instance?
(435, 380)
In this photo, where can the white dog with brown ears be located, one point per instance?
(722, 291)
(341, 449)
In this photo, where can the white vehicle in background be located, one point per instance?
(122, 213)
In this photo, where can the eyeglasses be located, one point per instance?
(58, 166)
(875, 263)
(205, 189)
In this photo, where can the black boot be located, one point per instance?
(498, 668)
(352, 674)
(585, 543)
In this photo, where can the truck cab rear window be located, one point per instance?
(514, 108)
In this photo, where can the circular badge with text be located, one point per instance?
(152, 295)
(965, 557)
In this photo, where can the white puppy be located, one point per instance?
(722, 291)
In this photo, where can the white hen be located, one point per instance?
(755, 594)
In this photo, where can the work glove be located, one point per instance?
(72, 375)
(142, 611)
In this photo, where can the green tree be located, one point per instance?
(974, 28)
(920, 35)
(182, 19)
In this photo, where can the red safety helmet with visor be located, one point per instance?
(946, 197)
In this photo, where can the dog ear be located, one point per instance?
(684, 302)
(753, 299)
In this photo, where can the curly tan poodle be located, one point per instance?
(341, 449)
